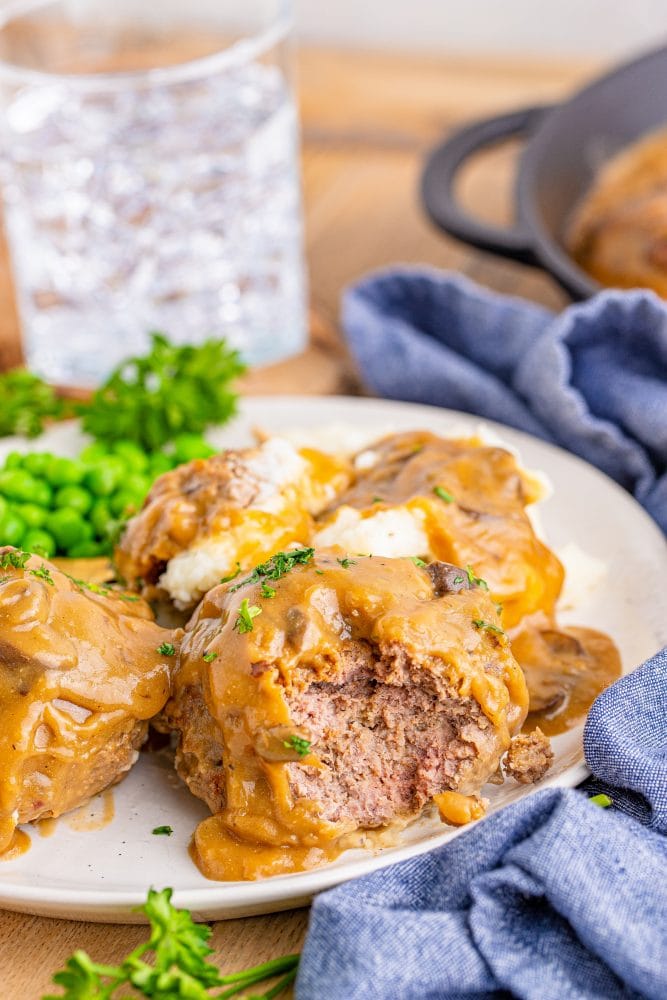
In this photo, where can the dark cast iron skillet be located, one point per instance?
(565, 146)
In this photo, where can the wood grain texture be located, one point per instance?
(368, 121)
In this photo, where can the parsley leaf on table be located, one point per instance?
(180, 969)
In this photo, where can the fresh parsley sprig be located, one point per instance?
(171, 390)
(179, 970)
(26, 403)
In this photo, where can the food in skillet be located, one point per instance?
(204, 519)
(619, 232)
(82, 670)
(322, 700)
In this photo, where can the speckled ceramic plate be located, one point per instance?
(102, 874)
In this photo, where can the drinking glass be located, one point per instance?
(150, 178)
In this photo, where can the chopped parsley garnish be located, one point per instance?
(166, 649)
(180, 965)
(459, 579)
(277, 566)
(418, 562)
(377, 500)
(43, 573)
(14, 560)
(94, 588)
(489, 626)
(444, 494)
(475, 581)
(209, 656)
(18, 560)
(601, 800)
(297, 743)
(232, 576)
(347, 562)
(162, 831)
(267, 591)
(245, 616)
(320, 572)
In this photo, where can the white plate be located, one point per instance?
(102, 875)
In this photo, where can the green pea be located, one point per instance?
(134, 457)
(64, 471)
(190, 446)
(92, 453)
(17, 484)
(74, 497)
(12, 529)
(40, 542)
(105, 475)
(36, 463)
(68, 528)
(124, 504)
(101, 518)
(42, 493)
(33, 515)
(137, 485)
(87, 550)
(14, 460)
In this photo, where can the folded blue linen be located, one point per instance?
(592, 379)
(552, 898)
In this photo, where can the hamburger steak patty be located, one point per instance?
(363, 688)
(388, 746)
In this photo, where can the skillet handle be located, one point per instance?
(442, 167)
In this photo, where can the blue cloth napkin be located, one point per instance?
(592, 379)
(552, 898)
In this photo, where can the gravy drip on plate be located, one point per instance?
(566, 669)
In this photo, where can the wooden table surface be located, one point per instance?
(368, 121)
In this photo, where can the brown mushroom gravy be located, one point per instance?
(453, 641)
(566, 669)
(483, 523)
(480, 522)
(80, 676)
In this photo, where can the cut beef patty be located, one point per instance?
(339, 697)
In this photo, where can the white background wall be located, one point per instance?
(553, 27)
(542, 27)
